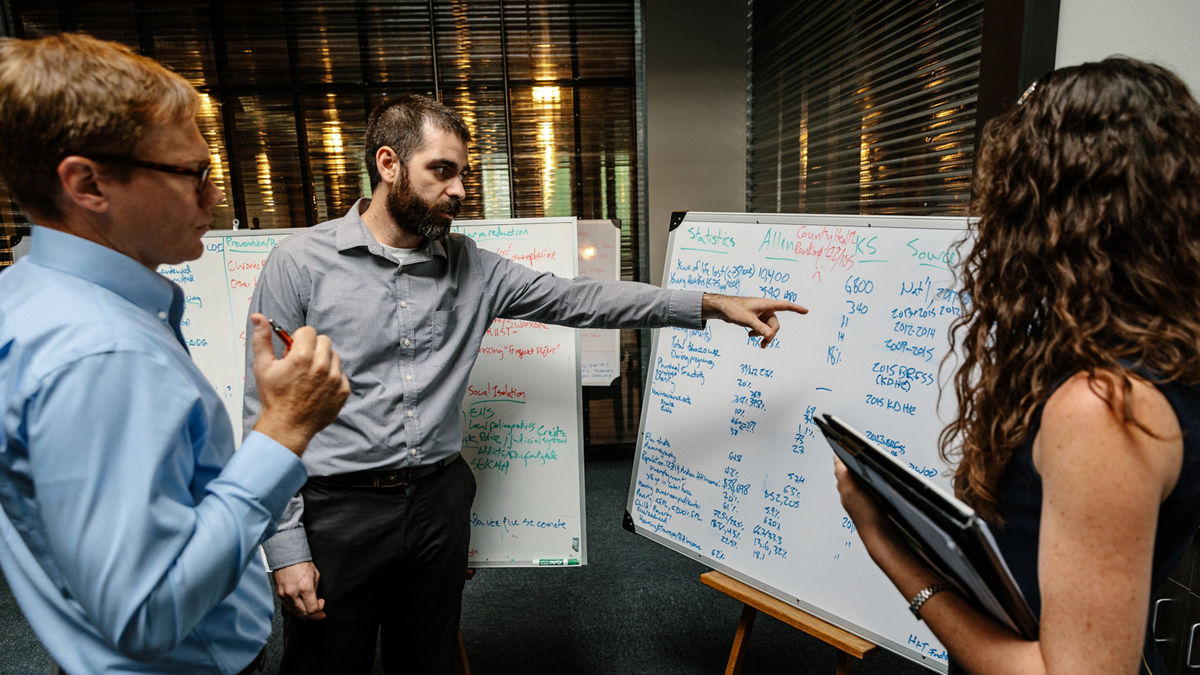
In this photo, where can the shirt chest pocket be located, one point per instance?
(442, 337)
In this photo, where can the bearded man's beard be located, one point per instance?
(418, 216)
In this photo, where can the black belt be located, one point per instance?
(387, 478)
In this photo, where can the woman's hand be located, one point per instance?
(873, 525)
(883, 540)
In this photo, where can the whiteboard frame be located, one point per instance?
(961, 223)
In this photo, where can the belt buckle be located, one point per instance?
(389, 479)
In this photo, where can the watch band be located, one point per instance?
(925, 594)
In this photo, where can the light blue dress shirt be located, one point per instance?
(128, 525)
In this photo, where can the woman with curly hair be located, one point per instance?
(1078, 427)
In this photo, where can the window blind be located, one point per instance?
(548, 89)
(862, 107)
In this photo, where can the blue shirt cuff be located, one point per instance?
(267, 470)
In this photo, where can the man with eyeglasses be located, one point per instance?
(129, 527)
(374, 548)
(200, 173)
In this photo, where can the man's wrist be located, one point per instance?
(290, 436)
(711, 306)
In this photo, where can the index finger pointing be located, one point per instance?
(793, 307)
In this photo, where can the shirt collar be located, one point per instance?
(352, 233)
(107, 268)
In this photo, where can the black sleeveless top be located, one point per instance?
(1020, 504)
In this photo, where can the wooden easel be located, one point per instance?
(848, 645)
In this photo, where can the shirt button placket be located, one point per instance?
(407, 357)
(408, 376)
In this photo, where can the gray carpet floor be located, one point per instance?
(637, 607)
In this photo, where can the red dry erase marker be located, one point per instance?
(283, 334)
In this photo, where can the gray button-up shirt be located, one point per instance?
(409, 334)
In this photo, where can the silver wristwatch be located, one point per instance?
(924, 594)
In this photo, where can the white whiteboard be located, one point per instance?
(599, 258)
(730, 468)
(522, 415)
(531, 510)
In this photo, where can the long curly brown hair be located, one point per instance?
(1086, 259)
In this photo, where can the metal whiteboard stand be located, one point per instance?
(754, 601)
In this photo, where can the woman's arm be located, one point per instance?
(1103, 481)
(961, 628)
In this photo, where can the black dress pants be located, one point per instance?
(392, 563)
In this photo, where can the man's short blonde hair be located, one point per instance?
(72, 94)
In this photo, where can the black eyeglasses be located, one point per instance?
(201, 174)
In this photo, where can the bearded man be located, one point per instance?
(375, 544)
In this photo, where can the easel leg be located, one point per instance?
(738, 653)
(463, 667)
(844, 664)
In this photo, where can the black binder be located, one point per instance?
(941, 528)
